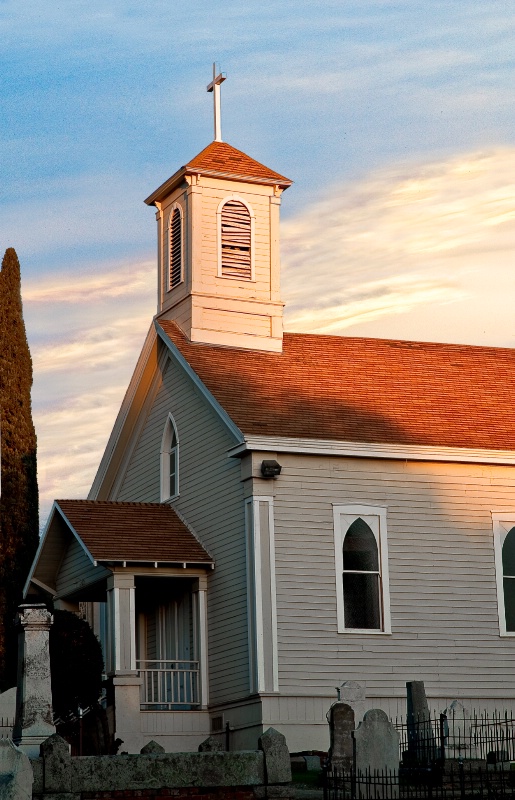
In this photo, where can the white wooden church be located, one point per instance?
(278, 513)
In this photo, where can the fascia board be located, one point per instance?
(283, 444)
(74, 532)
(121, 419)
(41, 545)
(202, 388)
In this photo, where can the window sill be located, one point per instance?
(361, 631)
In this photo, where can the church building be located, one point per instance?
(276, 513)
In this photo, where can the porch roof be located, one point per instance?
(133, 532)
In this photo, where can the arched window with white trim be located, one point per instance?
(361, 554)
(504, 548)
(175, 248)
(169, 461)
(236, 235)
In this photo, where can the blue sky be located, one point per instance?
(396, 120)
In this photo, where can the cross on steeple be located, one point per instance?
(214, 87)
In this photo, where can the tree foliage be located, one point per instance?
(76, 664)
(19, 523)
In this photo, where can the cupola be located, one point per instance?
(218, 246)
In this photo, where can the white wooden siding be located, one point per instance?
(445, 627)
(211, 500)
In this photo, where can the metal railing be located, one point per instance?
(169, 685)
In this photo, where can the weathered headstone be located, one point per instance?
(277, 756)
(210, 745)
(16, 776)
(34, 719)
(341, 727)
(354, 694)
(55, 752)
(458, 731)
(152, 748)
(422, 744)
(377, 747)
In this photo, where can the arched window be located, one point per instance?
(508, 578)
(235, 240)
(361, 556)
(169, 461)
(175, 248)
(362, 608)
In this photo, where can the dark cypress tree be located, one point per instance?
(19, 490)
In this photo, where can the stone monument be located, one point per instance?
(354, 694)
(341, 727)
(422, 745)
(377, 749)
(34, 720)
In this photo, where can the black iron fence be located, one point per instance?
(440, 757)
(458, 782)
(476, 737)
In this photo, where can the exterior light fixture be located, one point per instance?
(270, 469)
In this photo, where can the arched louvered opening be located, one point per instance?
(175, 275)
(361, 578)
(508, 576)
(236, 238)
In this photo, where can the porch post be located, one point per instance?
(201, 591)
(122, 656)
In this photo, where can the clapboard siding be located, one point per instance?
(77, 570)
(211, 500)
(445, 627)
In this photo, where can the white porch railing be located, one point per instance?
(168, 684)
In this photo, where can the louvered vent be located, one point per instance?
(236, 228)
(175, 249)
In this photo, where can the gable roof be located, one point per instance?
(362, 390)
(135, 532)
(221, 160)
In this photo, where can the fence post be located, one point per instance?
(443, 720)
(462, 779)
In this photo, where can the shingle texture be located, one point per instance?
(363, 390)
(222, 157)
(133, 532)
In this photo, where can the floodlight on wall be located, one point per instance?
(270, 469)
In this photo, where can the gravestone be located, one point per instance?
(354, 694)
(34, 718)
(277, 756)
(152, 748)
(422, 744)
(459, 731)
(341, 726)
(377, 748)
(210, 745)
(16, 776)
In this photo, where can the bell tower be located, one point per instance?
(218, 246)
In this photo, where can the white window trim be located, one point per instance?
(382, 546)
(502, 521)
(168, 246)
(221, 204)
(165, 460)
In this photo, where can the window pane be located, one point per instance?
(509, 603)
(361, 601)
(173, 473)
(508, 554)
(360, 548)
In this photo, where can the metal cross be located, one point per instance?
(214, 87)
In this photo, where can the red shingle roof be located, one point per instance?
(363, 390)
(221, 157)
(144, 532)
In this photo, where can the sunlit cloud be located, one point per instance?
(408, 238)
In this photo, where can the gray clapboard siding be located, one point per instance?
(77, 570)
(442, 577)
(211, 500)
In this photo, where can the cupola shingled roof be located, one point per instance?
(221, 160)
